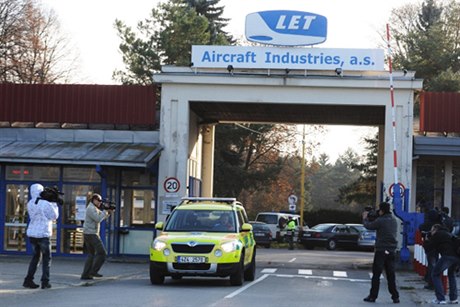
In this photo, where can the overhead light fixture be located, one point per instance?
(339, 72)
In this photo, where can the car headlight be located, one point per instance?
(230, 246)
(158, 245)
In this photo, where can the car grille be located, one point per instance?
(197, 249)
(191, 266)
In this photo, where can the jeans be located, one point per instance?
(450, 263)
(96, 255)
(431, 257)
(41, 251)
(383, 260)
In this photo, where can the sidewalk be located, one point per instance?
(66, 271)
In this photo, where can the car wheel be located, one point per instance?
(156, 278)
(250, 273)
(236, 279)
(331, 245)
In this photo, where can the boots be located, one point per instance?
(30, 284)
(46, 285)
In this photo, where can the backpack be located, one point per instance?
(447, 221)
(456, 245)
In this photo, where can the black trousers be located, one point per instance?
(384, 260)
(96, 255)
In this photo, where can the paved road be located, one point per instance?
(336, 278)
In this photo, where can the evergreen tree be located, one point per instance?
(166, 37)
(362, 192)
(427, 40)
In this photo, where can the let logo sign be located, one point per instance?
(286, 28)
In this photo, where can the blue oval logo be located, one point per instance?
(286, 28)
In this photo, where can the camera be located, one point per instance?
(52, 194)
(372, 215)
(108, 205)
(426, 235)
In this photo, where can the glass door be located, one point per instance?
(17, 197)
(76, 197)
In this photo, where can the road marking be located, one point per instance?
(305, 272)
(320, 277)
(292, 260)
(235, 293)
(268, 271)
(339, 274)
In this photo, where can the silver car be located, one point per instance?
(366, 238)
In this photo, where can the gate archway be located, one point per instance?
(193, 100)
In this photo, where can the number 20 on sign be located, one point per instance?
(171, 185)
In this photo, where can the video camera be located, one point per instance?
(108, 205)
(52, 194)
(372, 215)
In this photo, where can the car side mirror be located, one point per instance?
(246, 227)
(159, 226)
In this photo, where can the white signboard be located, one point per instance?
(168, 204)
(287, 58)
(80, 208)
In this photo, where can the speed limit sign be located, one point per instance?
(171, 185)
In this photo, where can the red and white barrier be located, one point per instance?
(420, 260)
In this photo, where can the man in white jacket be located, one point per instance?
(41, 213)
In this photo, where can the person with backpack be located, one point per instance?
(446, 220)
(441, 241)
(431, 217)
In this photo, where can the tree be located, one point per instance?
(249, 157)
(213, 13)
(32, 50)
(167, 36)
(362, 192)
(427, 40)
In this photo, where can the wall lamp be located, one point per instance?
(339, 72)
(230, 69)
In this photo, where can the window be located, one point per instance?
(81, 174)
(32, 173)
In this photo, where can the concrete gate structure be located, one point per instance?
(194, 100)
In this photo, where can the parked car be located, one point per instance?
(262, 234)
(277, 222)
(331, 236)
(366, 238)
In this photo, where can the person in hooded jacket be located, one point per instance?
(441, 241)
(41, 213)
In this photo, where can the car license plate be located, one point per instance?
(259, 234)
(307, 234)
(191, 259)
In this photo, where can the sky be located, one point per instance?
(89, 24)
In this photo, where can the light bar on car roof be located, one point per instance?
(217, 199)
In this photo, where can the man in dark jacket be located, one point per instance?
(431, 216)
(441, 241)
(385, 247)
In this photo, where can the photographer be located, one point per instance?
(385, 246)
(42, 210)
(92, 241)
